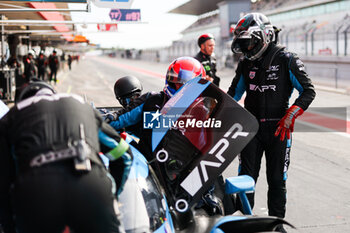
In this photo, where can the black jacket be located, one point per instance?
(54, 62)
(38, 125)
(29, 69)
(209, 64)
(269, 83)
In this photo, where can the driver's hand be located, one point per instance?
(207, 77)
(108, 117)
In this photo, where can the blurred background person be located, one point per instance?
(206, 43)
(41, 63)
(54, 65)
(70, 61)
(30, 70)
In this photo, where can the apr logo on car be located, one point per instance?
(199, 175)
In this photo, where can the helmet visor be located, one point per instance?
(182, 77)
(245, 42)
(126, 100)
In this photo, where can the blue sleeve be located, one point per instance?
(295, 82)
(238, 85)
(128, 118)
(301, 81)
(240, 89)
(127, 159)
(106, 140)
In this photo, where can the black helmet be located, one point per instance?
(252, 35)
(32, 88)
(127, 87)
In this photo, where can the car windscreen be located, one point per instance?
(141, 204)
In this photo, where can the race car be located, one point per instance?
(160, 197)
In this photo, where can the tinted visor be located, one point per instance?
(245, 42)
(128, 99)
(182, 77)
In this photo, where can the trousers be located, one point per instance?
(277, 155)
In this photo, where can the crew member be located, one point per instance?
(206, 43)
(268, 74)
(51, 175)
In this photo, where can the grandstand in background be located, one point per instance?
(317, 30)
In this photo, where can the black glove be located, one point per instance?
(108, 117)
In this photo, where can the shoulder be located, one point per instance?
(155, 96)
(155, 101)
(148, 95)
(198, 56)
(291, 58)
(284, 53)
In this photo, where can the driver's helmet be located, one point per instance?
(35, 88)
(126, 89)
(252, 35)
(180, 71)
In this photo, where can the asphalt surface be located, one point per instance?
(318, 177)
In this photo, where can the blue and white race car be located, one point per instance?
(159, 196)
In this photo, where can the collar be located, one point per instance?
(204, 55)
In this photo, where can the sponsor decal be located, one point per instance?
(199, 175)
(125, 14)
(156, 120)
(262, 88)
(272, 76)
(273, 68)
(252, 74)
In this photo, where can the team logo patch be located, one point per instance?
(272, 76)
(273, 68)
(251, 74)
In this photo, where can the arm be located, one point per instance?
(119, 168)
(109, 139)
(114, 148)
(238, 86)
(216, 79)
(301, 82)
(129, 118)
(7, 176)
